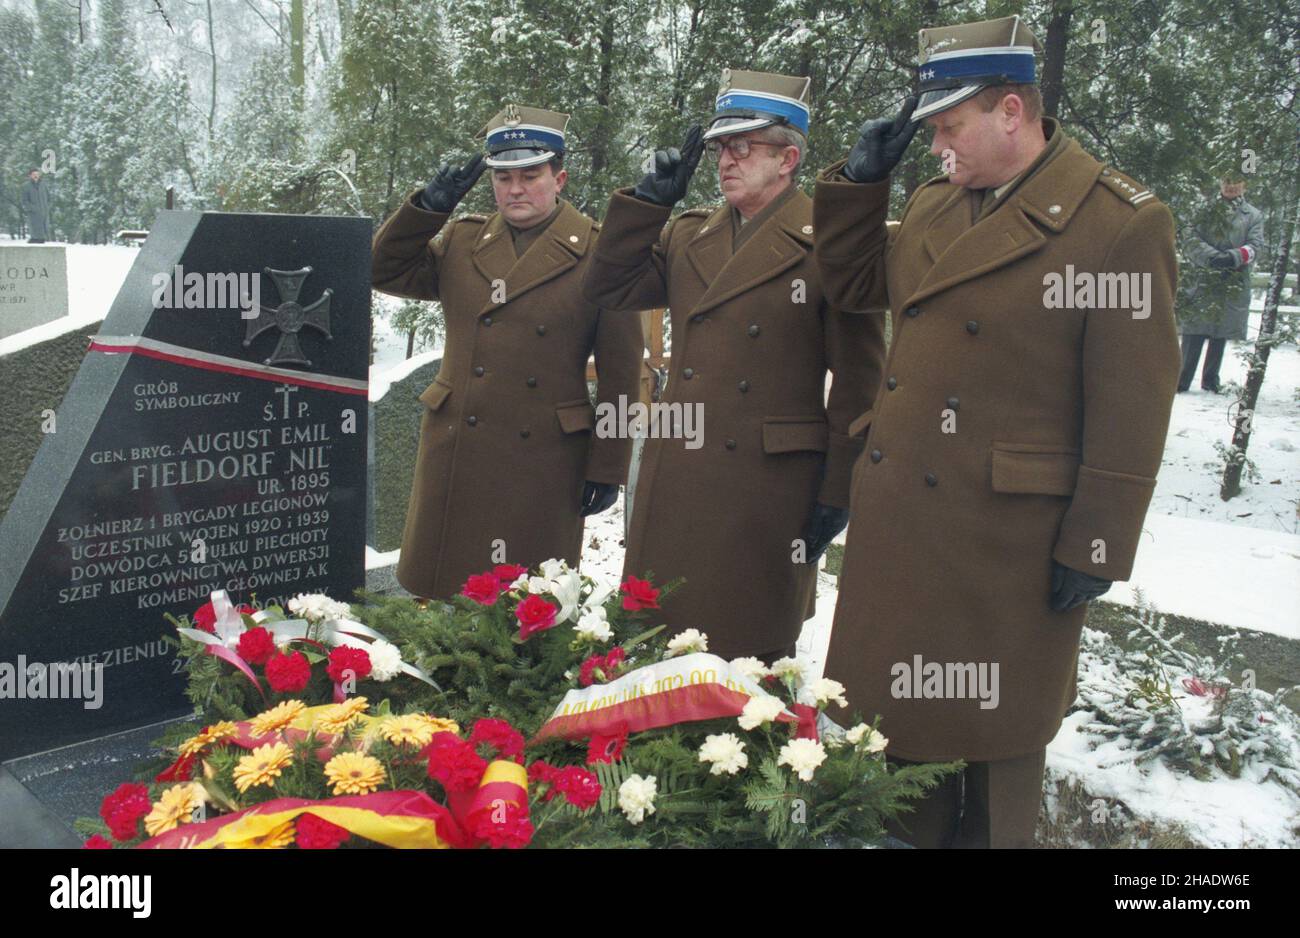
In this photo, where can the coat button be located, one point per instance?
(531, 382)
(877, 455)
(972, 327)
(953, 403)
(931, 479)
(891, 383)
(478, 371)
(524, 433)
(487, 320)
(913, 311)
(541, 330)
(688, 373)
(753, 330)
(472, 421)
(744, 386)
(731, 444)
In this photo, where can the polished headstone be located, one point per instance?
(209, 441)
(33, 286)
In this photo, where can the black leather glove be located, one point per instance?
(597, 496)
(823, 525)
(1071, 588)
(880, 145)
(449, 185)
(1222, 261)
(673, 170)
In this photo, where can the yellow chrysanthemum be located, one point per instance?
(262, 766)
(196, 744)
(410, 730)
(337, 717)
(174, 808)
(354, 774)
(440, 724)
(278, 717)
(278, 837)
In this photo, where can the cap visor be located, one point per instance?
(932, 102)
(731, 125)
(518, 159)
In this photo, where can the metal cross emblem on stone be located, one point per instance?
(290, 316)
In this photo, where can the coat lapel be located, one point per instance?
(558, 249)
(1048, 200)
(782, 242)
(710, 249)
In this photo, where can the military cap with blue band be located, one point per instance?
(523, 136)
(750, 100)
(958, 62)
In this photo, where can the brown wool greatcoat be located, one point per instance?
(753, 340)
(506, 440)
(1060, 422)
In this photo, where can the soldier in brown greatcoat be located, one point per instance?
(744, 516)
(508, 465)
(1013, 447)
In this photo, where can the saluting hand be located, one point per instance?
(667, 184)
(449, 185)
(881, 144)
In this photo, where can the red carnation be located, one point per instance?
(613, 660)
(510, 828)
(507, 573)
(579, 787)
(540, 771)
(97, 842)
(508, 741)
(316, 834)
(123, 809)
(205, 618)
(348, 662)
(605, 748)
(535, 615)
(638, 594)
(454, 763)
(587, 673)
(483, 588)
(288, 673)
(256, 646)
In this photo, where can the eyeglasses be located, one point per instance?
(739, 147)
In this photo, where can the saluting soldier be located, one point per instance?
(508, 465)
(1013, 447)
(744, 516)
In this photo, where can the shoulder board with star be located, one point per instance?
(1124, 187)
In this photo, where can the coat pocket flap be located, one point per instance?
(792, 434)
(1026, 472)
(435, 395)
(576, 416)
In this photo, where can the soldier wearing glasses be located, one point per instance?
(744, 516)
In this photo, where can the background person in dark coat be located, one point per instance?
(1219, 248)
(36, 206)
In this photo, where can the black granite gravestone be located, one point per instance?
(214, 438)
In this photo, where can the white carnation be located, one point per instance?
(691, 640)
(869, 739)
(750, 668)
(636, 797)
(385, 660)
(825, 691)
(592, 625)
(788, 669)
(803, 756)
(759, 710)
(725, 752)
(317, 607)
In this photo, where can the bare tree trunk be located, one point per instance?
(212, 104)
(410, 342)
(1058, 37)
(297, 68)
(1259, 360)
